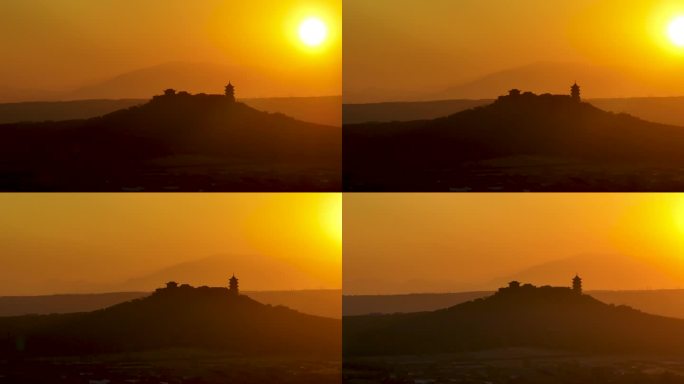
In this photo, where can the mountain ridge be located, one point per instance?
(206, 141)
(662, 110)
(173, 317)
(515, 316)
(322, 110)
(517, 134)
(318, 302)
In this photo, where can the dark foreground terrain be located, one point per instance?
(323, 110)
(663, 302)
(178, 334)
(663, 110)
(511, 366)
(174, 366)
(175, 142)
(521, 142)
(319, 302)
(520, 334)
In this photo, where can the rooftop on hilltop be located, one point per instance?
(518, 95)
(517, 287)
(173, 286)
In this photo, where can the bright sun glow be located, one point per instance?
(676, 31)
(679, 214)
(313, 32)
(331, 217)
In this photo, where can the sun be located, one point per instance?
(331, 217)
(679, 214)
(313, 32)
(676, 31)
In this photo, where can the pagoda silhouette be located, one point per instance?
(575, 92)
(230, 92)
(233, 285)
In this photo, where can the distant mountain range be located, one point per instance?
(179, 142)
(212, 270)
(538, 77)
(181, 317)
(527, 316)
(525, 142)
(604, 271)
(195, 77)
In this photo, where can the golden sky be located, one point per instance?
(66, 44)
(60, 243)
(404, 49)
(400, 243)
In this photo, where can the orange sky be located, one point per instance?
(60, 243)
(400, 243)
(62, 45)
(409, 49)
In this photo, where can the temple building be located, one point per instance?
(230, 92)
(577, 284)
(575, 92)
(233, 285)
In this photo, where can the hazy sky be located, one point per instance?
(56, 243)
(449, 242)
(65, 44)
(404, 49)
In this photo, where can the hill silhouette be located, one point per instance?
(318, 302)
(174, 317)
(527, 316)
(663, 302)
(663, 110)
(519, 142)
(320, 110)
(174, 142)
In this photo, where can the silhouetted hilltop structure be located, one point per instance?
(176, 141)
(577, 284)
(177, 316)
(233, 285)
(662, 110)
(575, 92)
(520, 315)
(230, 92)
(319, 302)
(522, 141)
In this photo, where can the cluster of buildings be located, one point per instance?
(576, 284)
(574, 92)
(233, 286)
(229, 92)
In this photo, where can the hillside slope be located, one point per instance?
(182, 317)
(546, 317)
(320, 110)
(176, 142)
(524, 142)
